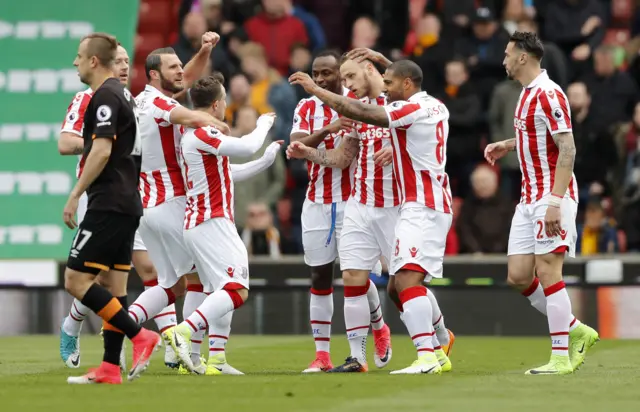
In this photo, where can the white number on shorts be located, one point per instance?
(86, 235)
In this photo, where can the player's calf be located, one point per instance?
(320, 316)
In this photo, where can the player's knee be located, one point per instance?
(518, 279)
(322, 277)
(76, 283)
(355, 277)
(237, 293)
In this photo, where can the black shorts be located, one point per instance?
(104, 241)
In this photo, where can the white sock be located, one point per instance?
(559, 317)
(417, 317)
(150, 303)
(166, 318)
(215, 306)
(73, 322)
(375, 310)
(192, 300)
(357, 319)
(321, 313)
(437, 320)
(219, 332)
(535, 294)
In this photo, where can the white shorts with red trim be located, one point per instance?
(161, 230)
(321, 230)
(83, 203)
(367, 234)
(421, 237)
(220, 254)
(528, 237)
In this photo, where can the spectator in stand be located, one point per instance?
(277, 32)
(596, 155)
(260, 236)
(502, 108)
(264, 188)
(234, 11)
(300, 61)
(631, 204)
(613, 91)
(465, 110)
(364, 33)
(190, 41)
(578, 28)
(554, 61)
(317, 40)
(213, 13)
(233, 43)
(484, 52)
(627, 142)
(333, 17)
(430, 51)
(598, 234)
(483, 224)
(456, 16)
(269, 91)
(239, 96)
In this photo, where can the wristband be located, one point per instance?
(555, 200)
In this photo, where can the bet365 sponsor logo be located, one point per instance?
(40, 81)
(37, 30)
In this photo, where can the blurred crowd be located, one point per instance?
(590, 50)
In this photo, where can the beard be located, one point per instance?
(170, 86)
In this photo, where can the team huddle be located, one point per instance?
(155, 189)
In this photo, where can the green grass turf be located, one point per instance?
(488, 376)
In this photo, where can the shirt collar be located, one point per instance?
(418, 96)
(541, 77)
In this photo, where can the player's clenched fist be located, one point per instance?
(495, 151)
(297, 150)
(303, 80)
(210, 39)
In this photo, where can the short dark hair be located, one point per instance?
(103, 46)
(461, 61)
(154, 60)
(407, 69)
(528, 42)
(328, 53)
(207, 90)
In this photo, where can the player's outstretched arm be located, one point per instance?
(248, 144)
(351, 108)
(314, 139)
(244, 171)
(193, 118)
(70, 144)
(195, 68)
(340, 157)
(564, 166)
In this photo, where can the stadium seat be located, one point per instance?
(621, 12)
(146, 43)
(138, 79)
(155, 16)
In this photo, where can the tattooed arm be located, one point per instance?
(353, 108)
(340, 157)
(564, 165)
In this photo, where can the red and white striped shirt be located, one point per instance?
(74, 120)
(374, 185)
(160, 175)
(326, 185)
(542, 112)
(208, 176)
(420, 128)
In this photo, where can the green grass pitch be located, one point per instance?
(488, 375)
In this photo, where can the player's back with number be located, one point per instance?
(111, 114)
(420, 128)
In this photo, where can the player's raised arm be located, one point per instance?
(351, 108)
(247, 170)
(196, 66)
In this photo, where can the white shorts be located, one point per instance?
(83, 202)
(321, 227)
(527, 235)
(219, 253)
(421, 237)
(161, 228)
(367, 234)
